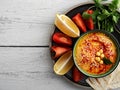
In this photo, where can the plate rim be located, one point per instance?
(53, 29)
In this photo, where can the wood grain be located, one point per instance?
(25, 31)
(30, 69)
(30, 22)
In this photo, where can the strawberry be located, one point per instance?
(76, 74)
(89, 21)
(79, 22)
(62, 39)
(57, 51)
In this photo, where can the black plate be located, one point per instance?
(70, 14)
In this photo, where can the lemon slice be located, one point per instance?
(66, 25)
(64, 63)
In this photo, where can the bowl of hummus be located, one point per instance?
(96, 53)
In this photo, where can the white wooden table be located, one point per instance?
(25, 27)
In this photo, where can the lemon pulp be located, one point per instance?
(66, 25)
(64, 64)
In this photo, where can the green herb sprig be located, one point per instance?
(106, 61)
(105, 17)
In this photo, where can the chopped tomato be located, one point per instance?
(57, 51)
(76, 74)
(79, 22)
(89, 22)
(89, 11)
(62, 39)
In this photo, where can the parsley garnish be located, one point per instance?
(106, 61)
(105, 17)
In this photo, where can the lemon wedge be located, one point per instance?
(66, 25)
(64, 63)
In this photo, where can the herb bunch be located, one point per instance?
(105, 17)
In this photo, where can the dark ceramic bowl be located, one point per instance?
(117, 50)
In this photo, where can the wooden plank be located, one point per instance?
(30, 22)
(30, 69)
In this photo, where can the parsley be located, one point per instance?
(106, 61)
(105, 17)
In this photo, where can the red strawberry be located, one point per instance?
(89, 22)
(79, 22)
(76, 74)
(57, 51)
(62, 39)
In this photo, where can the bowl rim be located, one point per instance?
(114, 40)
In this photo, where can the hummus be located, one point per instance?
(90, 51)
